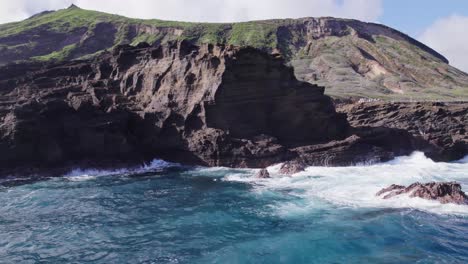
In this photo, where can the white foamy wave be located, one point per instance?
(357, 186)
(83, 177)
(90, 174)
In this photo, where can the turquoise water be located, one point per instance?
(172, 214)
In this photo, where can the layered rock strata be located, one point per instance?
(209, 105)
(441, 128)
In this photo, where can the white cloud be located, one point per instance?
(449, 37)
(13, 10)
(204, 10)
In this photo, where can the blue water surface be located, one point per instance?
(186, 215)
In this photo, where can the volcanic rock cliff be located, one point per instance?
(209, 105)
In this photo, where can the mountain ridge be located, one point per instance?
(349, 57)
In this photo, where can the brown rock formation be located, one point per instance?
(448, 192)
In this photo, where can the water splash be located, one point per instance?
(222, 215)
(90, 174)
(357, 186)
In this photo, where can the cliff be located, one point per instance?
(212, 105)
(350, 58)
(443, 126)
(178, 101)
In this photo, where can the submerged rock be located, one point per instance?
(444, 192)
(292, 167)
(263, 174)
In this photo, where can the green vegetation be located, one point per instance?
(255, 34)
(62, 21)
(144, 38)
(71, 20)
(57, 55)
(206, 33)
(66, 21)
(75, 33)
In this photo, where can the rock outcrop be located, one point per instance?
(212, 105)
(292, 167)
(440, 128)
(446, 192)
(263, 174)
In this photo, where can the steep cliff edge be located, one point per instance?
(212, 105)
(349, 58)
(178, 101)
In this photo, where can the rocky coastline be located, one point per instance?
(441, 126)
(209, 105)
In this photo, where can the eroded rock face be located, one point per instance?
(441, 128)
(209, 105)
(446, 192)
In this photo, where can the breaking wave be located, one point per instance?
(90, 174)
(168, 213)
(357, 186)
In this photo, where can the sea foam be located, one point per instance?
(357, 186)
(90, 174)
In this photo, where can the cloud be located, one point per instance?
(239, 10)
(203, 10)
(448, 36)
(14, 10)
(11, 11)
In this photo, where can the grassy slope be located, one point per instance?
(260, 34)
(67, 20)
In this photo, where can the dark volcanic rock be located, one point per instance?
(392, 188)
(440, 128)
(263, 174)
(365, 145)
(208, 105)
(447, 192)
(292, 167)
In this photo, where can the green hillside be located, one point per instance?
(350, 58)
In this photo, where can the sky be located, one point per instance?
(442, 25)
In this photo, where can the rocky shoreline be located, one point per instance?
(440, 126)
(212, 105)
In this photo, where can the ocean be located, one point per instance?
(169, 213)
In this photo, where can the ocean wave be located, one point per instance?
(357, 186)
(90, 174)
